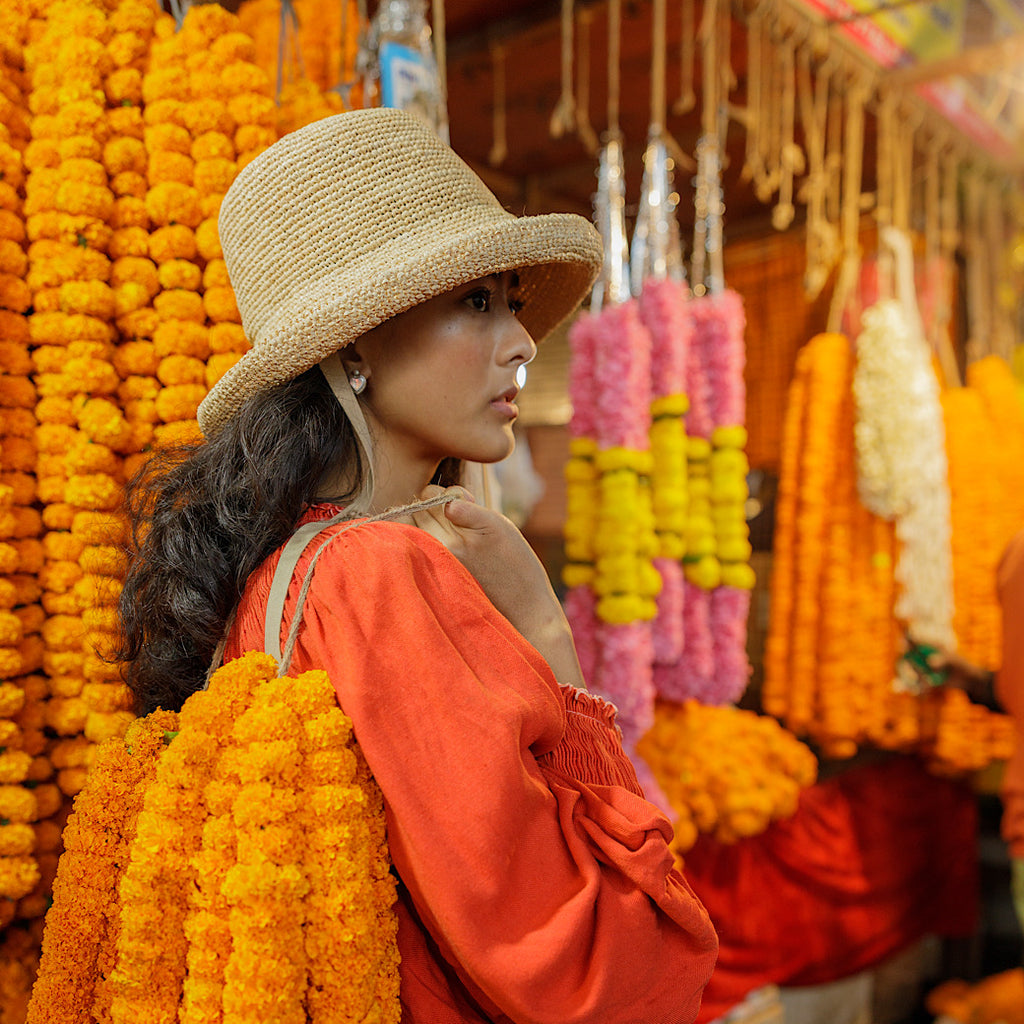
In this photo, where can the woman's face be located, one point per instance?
(441, 377)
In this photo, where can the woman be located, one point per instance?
(391, 302)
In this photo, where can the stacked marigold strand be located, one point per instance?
(26, 850)
(251, 808)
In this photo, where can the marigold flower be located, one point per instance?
(254, 138)
(17, 393)
(12, 258)
(139, 324)
(137, 269)
(166, 83)
(176, 241)
(126, 121)
(18, 804)
(17, 839)
(176, 435)
(99, 528)
(164, 138)
(129, 183)
(165, 111)
(208, 240)
(179, 402)
(14, 294)
(132, 241)
(102, 421)
(57, 515)
(218, 365)
(30, 557)
(41, 153)
(124, 86)
(128, 212)
(168, 166)
(183, 337)
(179, 273)
(125, 48)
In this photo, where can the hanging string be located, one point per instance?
(791, 157)
(885, 160)
(563, 119)
(658, 45)
(584, 128)
(771, 137)
(441, 57)
(288, 33)
(687, 97)
(822, 238)
(834, 159)
(1001, 340)
(939, 261)
(614, 48)
(853, 151)
(499, 147)
(979, 325)
(752, 159)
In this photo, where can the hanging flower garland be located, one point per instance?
(665, 313)
(726, 772)
(581, 498)
(724, 357)
(901, 465)
(625, 580)
(218, 845)
(320, 77)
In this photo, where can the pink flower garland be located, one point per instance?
(730, 607)
(723, 356)
(622, 377)
(622, 373)
(665, 312)
(581, 378)
(580, 602)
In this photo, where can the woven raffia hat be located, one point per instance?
(358, 217)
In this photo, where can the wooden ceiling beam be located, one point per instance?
(541, 17)
(978, 60)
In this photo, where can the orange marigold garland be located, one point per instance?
(22, 742)
(259, 811)
(83, 924)
(726, 772)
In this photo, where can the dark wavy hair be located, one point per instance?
(204, 516)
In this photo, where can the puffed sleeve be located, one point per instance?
(540, 872)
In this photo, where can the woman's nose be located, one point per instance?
(518, 346)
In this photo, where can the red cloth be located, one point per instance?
(874, 859)
(537, 883)
(1010, 686)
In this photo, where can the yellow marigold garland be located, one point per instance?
(255, 850)
(726, 772)
(22, 743)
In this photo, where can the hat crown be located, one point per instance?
(336, 194)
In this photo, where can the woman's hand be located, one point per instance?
(510, 574)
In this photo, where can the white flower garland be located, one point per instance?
(901, 465)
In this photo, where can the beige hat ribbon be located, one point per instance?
(334, 370)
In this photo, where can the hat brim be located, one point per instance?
(557, 257)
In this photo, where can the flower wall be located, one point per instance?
(120, 135)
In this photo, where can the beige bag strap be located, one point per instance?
(293, 550)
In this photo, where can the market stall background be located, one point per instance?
(110, 244)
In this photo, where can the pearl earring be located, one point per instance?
(357, 381)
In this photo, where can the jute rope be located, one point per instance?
(687, 98)
(584, 128)
(563, 119)
(614, 49)
(853, 151)
(499, 147)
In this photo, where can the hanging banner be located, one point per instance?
(895, 37)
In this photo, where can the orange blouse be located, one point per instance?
(536, 883)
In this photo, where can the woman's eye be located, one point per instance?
(515, 305)
(480, 301)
